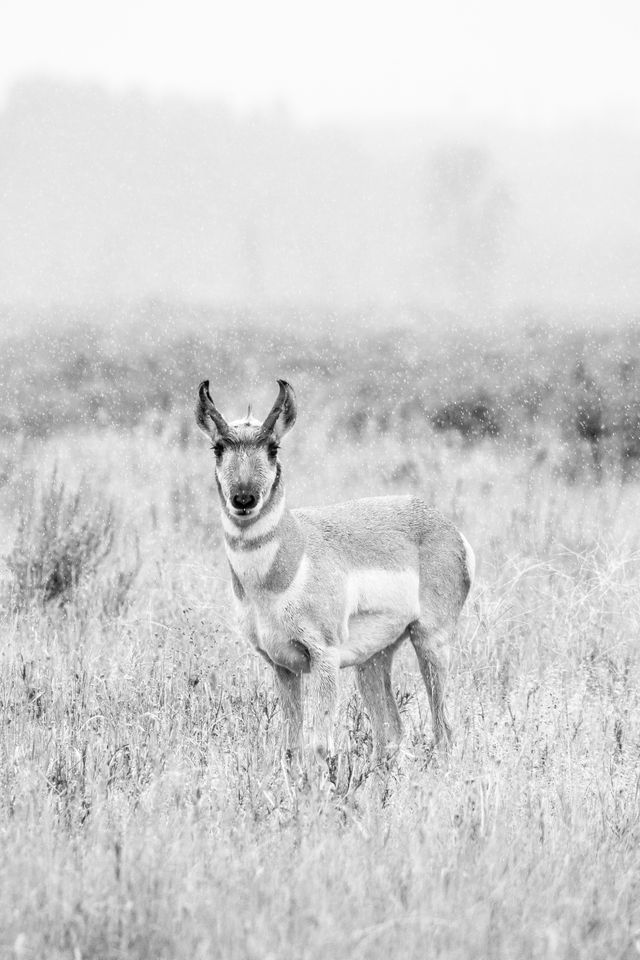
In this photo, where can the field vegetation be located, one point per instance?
(144, 812)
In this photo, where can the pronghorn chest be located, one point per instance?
(271, 586)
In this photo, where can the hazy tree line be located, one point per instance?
(108, 196)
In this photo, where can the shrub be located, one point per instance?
(63, 540)
(473, 417)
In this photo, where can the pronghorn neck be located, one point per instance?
(265, 554)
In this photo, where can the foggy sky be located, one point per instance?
(524, 63)
(474, 157)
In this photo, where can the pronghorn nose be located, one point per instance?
(243, 501)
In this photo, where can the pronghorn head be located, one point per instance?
(246, 451)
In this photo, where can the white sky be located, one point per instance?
(518, 60)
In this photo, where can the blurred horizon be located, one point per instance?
(476, 163)
(125, 196)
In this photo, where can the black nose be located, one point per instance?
(243, 501)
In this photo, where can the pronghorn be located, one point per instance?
(322, 588)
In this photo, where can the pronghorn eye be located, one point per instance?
(218, 449)
(272, 450)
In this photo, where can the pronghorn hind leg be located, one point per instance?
(374, 683)
(432, 650)
(289, 688)
(395, 723)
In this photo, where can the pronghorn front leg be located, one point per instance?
(289, 687)
(322, 690)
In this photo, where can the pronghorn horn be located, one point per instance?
(282, 414)
(207, 409)
(249, 412)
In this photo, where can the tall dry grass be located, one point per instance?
(143, 811)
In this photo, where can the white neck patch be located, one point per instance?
(263, 525)
(253, 565)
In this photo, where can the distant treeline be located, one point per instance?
(530, 385)
(110, 195)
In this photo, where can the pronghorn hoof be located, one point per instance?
(332, 768)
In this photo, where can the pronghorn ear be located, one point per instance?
(212, 423)
(283, 413)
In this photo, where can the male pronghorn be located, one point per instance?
(329, 587)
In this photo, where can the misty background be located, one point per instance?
(345, 160)
(125, 196)
(437, 208)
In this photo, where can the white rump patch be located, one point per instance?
(252, 565)
(384, 591)
(470, 557)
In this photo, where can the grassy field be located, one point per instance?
(143, 812)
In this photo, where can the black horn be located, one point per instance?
(206, 412)
(282, 415)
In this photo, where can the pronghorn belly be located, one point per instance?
(369, 633)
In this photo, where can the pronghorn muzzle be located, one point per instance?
(244, 501)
